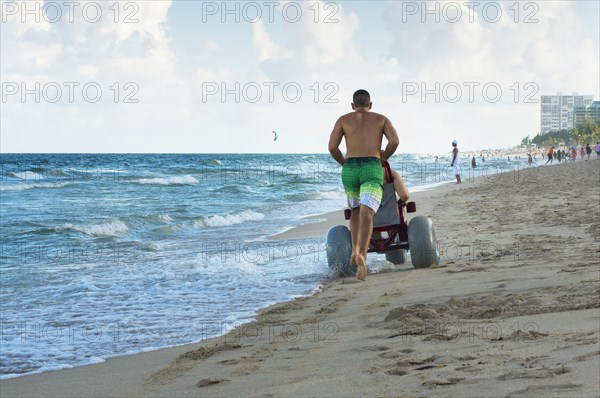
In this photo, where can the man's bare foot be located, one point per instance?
(361, 264)
(353, 261)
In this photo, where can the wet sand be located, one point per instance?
(513, 309)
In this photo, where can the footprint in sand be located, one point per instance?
(376, 348)
(229, 362)
(449, 382)
(587, 356)
(396, 372)
(209, 382)
(543, 373)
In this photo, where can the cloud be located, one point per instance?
(367, 45)
(262, 42)
(525, 60)
(305, 47)
(502, 51)
(63, 49)
(125, 60)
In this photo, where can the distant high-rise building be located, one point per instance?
(582, 112)
(556, 111)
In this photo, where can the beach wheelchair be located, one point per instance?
(392, 235)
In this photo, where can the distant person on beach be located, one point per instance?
(581, 152)
(362, 174)
(473, 162)
(550, 157)
(529, 159)
(573, 153)
(550, 152)
(597, 149)
(559, 155)
(454, 164)
(588, 151)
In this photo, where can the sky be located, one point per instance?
(188, 76)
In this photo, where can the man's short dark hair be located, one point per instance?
(361, 98)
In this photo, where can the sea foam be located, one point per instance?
(22, 187)
(176, 180)
(27, 175)
(107, 229)
(228, 219)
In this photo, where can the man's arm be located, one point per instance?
(392, 136)
(454, 152)
(334, 142)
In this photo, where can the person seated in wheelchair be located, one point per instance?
(401, 190)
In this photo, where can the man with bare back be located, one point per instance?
(362, 174)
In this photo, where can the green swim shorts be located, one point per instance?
(363, 181)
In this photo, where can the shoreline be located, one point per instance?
(321, 222)
(222, 366)
(104, 356)
(418, 194)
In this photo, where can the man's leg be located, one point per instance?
(457, 172)
(365, 228)
(354, 228)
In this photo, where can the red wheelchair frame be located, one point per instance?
(397, 234)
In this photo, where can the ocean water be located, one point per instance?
(112, 254)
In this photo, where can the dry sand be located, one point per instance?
(512, 310)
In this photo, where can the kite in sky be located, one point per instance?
(275, 136)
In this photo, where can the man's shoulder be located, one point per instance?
(347, 115)
(378, 115)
